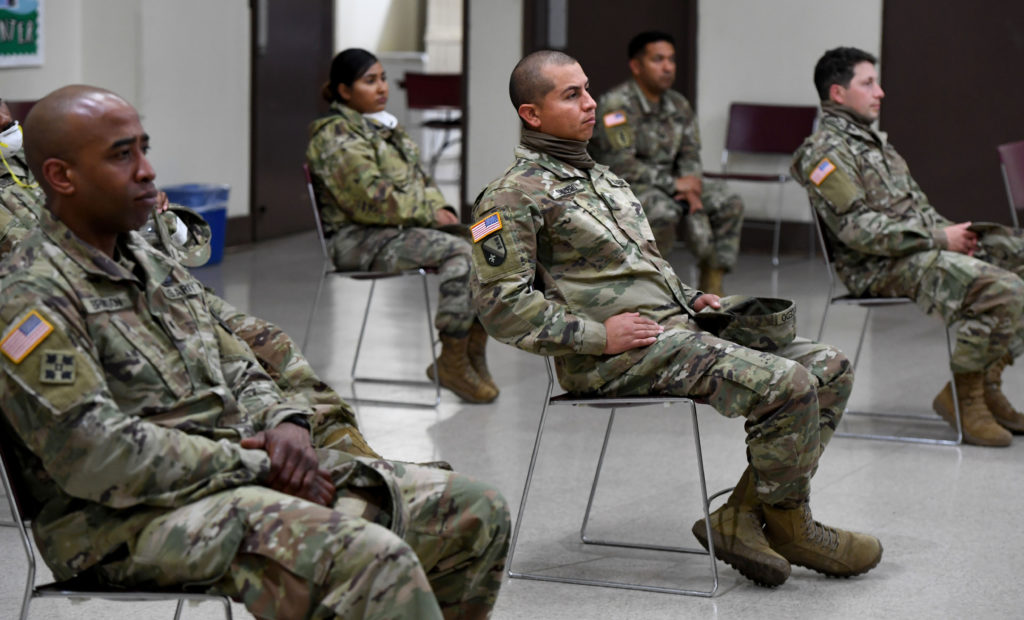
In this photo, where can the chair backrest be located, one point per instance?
(1011, 155)
(19, 109)
(316, 212)
(767, 128)
(433, 90)
(827, 250)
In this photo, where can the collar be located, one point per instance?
(557, 167)
(666, 106)
(846, 121)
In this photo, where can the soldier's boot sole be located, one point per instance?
(764, 567)
(943, 405)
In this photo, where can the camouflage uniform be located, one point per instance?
(889, 240)
(650, 147)
(334, 423)
(378, 207)
(582, 237)
(126, 419)
(20, 202)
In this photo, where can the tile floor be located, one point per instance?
(949, 517)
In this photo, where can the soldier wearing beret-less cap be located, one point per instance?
(647, 134)
(157, 450)
(891, 242)
(567, 266)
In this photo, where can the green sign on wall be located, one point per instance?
(21, 33)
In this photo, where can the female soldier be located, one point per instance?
(382, 213)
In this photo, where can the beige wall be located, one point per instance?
(764, 51)
(379, 25)
(183, 64)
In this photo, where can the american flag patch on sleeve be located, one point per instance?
(613, 119)
(25, 337)
(485, 227)
(821, 171)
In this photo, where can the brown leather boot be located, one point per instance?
(457, 374)
(478, 355)
(711, 280)
(736, 529)
(996, 401)
(980, 428)
(795, 535)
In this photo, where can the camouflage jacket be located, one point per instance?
(861, 188)
(573, 248)
(646, 146)
(368, 183)
(21, 201)
(127, 395)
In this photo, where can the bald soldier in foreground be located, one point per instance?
(616, 318)
(159, 452)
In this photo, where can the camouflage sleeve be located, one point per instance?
(347, 165)
(11, 232)
(836, 190)
(614, 144)
(89, 447)
(687, 161)
(507, 303)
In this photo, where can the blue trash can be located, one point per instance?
(211, 202)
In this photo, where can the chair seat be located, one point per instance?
(744, 176)
(381, 275)
(871, 301)
(443, 123)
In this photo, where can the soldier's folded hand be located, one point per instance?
(294, 468)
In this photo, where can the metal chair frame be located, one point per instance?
(614, 404)
(870, 304)
(1011, 164)
(76, 589)
(372, 277)
(436, 92)
(766, 129)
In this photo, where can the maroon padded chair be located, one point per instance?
(436, 91)
(1011, 159)
(19, 109)
(765, 129)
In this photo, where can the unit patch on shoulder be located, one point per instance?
(57, 367)
(821, 171)
(494, 250)
(614, 119)
(25, 336)
(485, 227)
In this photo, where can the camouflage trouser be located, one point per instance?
(987, 299)
(792, 400)
(450, 255)
(289, 558)
(711, 234)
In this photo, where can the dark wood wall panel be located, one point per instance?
(953, 75)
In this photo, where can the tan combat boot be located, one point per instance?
(980, 428)
(457, 374)
(478, 356)
(803, 541)
(736, 529)
(996, 401)
(711, 280)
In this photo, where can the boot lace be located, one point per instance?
(821, 535)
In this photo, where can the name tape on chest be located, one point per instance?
(614, 119)
(26, 336)
(110, 303)
(566, 190)
(186, 289)
(821, 171)
(486, 226)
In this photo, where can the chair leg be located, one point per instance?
(431, 338)
(312, 310)
(362, 329)
(178, 608)
(776, 237)
(597, 477)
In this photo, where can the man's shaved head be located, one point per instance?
(528, 83)
(53, 128)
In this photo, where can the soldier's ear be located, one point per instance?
(58, 175)
(528, 112)
(837, 93)
(635, 66)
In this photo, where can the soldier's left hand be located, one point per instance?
(705, 300)
(293, 463)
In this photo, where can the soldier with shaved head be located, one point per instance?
(567, 266)
(158, 451)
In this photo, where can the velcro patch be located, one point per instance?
(57, 367)
(821, 171)
(566, 190)
(485, 227)
(25, 336)
(494, 250)
(185, 289)
(614, 119)
(110, 303)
